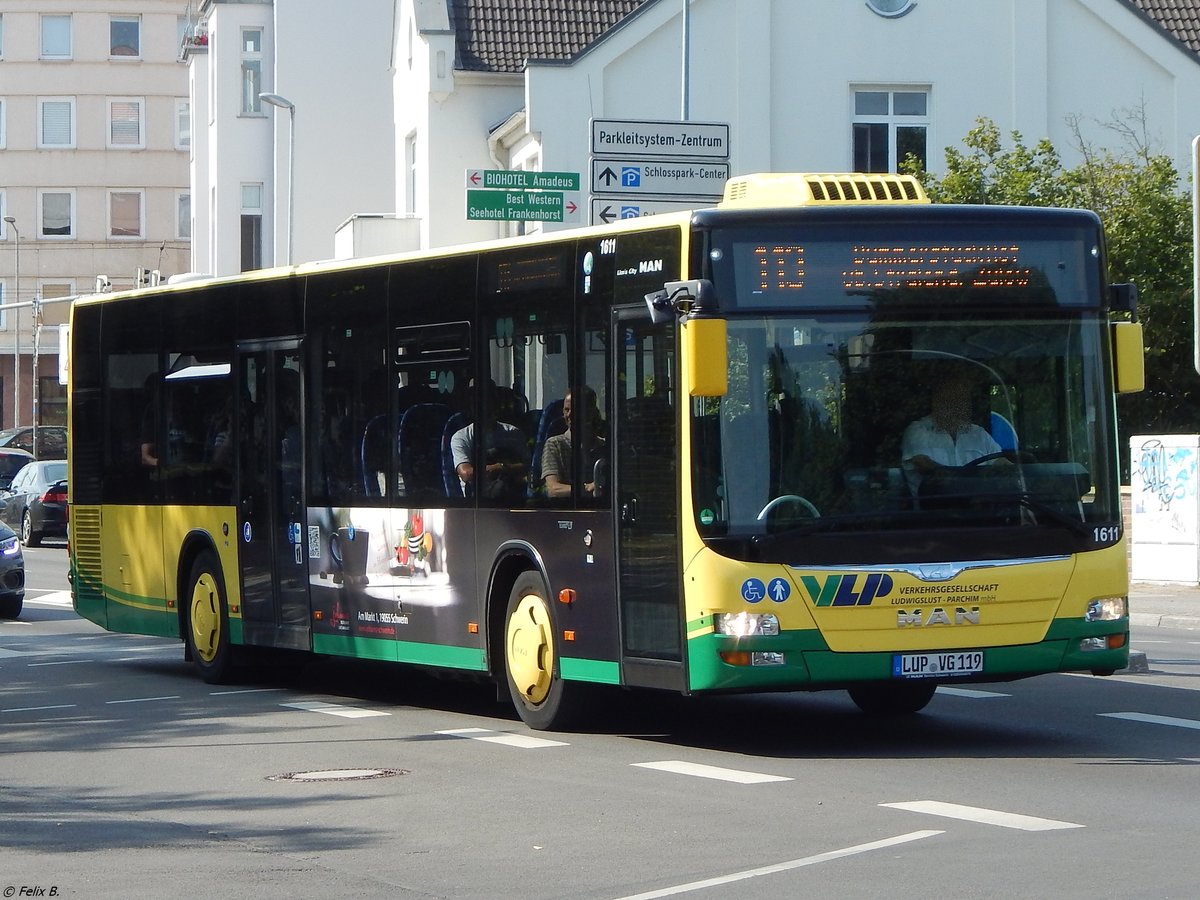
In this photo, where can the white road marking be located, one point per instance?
(243, 691)
(968, 692)
(17, 709)
(62, 662)
(1154, 720)
(521, 741)
(335, 709)
(679, 767)
(56, 599)
(983, 816)
(784, 866)
(142, 699)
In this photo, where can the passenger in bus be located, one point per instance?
(946, 437)
(557, 455)
(505, 456)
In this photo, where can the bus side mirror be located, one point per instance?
(1129, 362)
(705, 356)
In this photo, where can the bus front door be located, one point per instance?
(646, 439)
(271, 506)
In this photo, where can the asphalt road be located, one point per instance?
(124, 775)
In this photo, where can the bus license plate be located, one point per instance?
(937, 665)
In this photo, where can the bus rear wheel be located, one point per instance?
(540, 696)
(208, 620)
(892, 699)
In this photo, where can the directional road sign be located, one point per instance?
(522, 206)
(609, 209)
(671, 139)
(647, 176)
(511, 179)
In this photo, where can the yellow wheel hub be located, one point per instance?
(530, 649)
(205, 616)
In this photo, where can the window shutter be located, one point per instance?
(56, 123)
(126, 123)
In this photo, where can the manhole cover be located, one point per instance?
(338, 775)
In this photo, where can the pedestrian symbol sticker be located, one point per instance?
(779, 589)
(753, 590)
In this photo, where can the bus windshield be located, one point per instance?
(834, 430)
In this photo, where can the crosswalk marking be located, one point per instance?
(335, 709)
(784, 866)
(1154, 720)
(983, 816)
(521, 741)
(968, 692)
(56, 599)
(699, 770)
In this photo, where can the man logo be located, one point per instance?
(846, 590)
(937, 616)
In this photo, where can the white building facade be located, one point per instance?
(243, 158)
(94, 134)
(406, 95)
(823, 85)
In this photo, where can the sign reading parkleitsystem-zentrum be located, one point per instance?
(670, 140)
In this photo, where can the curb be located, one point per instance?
(1155, 620)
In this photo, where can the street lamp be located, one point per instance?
(284, 103)
(16, 325)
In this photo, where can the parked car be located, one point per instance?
(12, 461)
(12, 574)
(52, 440)
(35, 504)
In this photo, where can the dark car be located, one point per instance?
(35, 504)
(52, 440)
(12, 461)
(12, 574)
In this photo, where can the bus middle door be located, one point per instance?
(271, 497)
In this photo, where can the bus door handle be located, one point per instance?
(629, 513)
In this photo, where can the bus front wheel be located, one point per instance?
(540, 696)
(208, 620)
(892, 699)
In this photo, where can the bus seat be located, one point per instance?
(551, 422)
(420, 443)
(373, 453)
(450, 481)
(1003, 432)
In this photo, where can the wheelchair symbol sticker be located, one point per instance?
(753, 590)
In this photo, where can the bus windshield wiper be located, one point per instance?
(1057, 515)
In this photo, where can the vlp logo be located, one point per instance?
(846, 590)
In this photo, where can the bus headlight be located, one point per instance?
(1106, 609)
(745, 624)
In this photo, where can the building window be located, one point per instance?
(252, 220)
(183, 123)
(56, 37)
(251, 70)
(125, 128)
(1, 35)
(3, 137)
(183, 215)
(3, 213)
(56, 214)
(4, 300)
(125, 214)
(410, 168)
(125, 36)
(888, 126)
(56, 123)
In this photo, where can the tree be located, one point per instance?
(1147, 219)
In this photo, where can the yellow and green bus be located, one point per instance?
(370, 458)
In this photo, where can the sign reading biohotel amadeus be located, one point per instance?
(511, 195)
